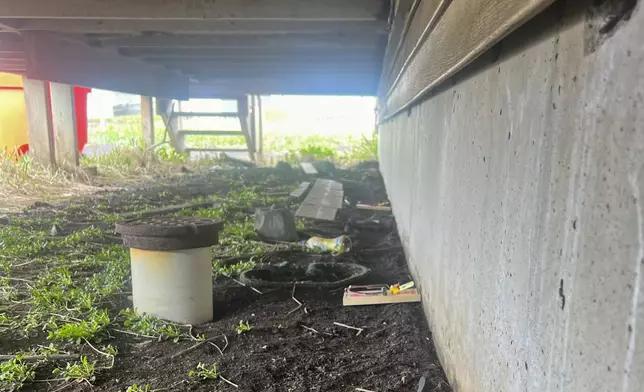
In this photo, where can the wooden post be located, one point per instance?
(147, 120)
(63, 110)
(253, 122)
(242, 110)
(260, 129)
(41, 128)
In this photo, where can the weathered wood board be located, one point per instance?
(465, 30)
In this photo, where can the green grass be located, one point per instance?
(125, 133)
(150, 326)
(15, 373)
(80, 371)
(243, 327)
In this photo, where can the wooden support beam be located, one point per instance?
(202, 41)
(147, 120)
(354, 10)
(259, 54)
(165, 108)
(242, 108)
(260, 129)
(40, 125)
(226, 28)
(63, 109)
(286, 84)
(51, 57)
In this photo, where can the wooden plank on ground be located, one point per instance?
(308, 168)
(301, 191)
(316, 212)
(323, 201)
(465, 30)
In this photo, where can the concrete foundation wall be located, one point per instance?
(519, 195)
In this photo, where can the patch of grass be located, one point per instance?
(15, 373)
(243, 327)
(148, 325)
(139, 388)
(24, 181)
(205, 372)
(79, 371)
(232, 269)
(76, 332)
(19, 243)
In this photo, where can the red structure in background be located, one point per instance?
(80, 102)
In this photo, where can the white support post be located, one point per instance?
(41, 128)
(63, 110)
(260, 129)
(147, 121)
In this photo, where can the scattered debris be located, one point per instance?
(349, 327)
(324, 167)
(283, 166)
(423, 386)
(308, 168)
(55, 230)
(338, 245)
(301, 191)
(275, 224)
(199, 344)
(96, 281)
(243, 284)
(239, 163)
(380, 294)
(368, 207)
(323, 201)
(309, 329)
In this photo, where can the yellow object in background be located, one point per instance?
(13, 116)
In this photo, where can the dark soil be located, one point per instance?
(279, 354)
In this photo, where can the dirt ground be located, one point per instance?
(285, 350)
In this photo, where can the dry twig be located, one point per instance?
(309, 329)
(299, 304)
(243, 284)
(195, 346)
(228, 381)
(349, 327)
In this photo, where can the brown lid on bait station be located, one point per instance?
(169, 233)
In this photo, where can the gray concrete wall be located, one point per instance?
(519, 195)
